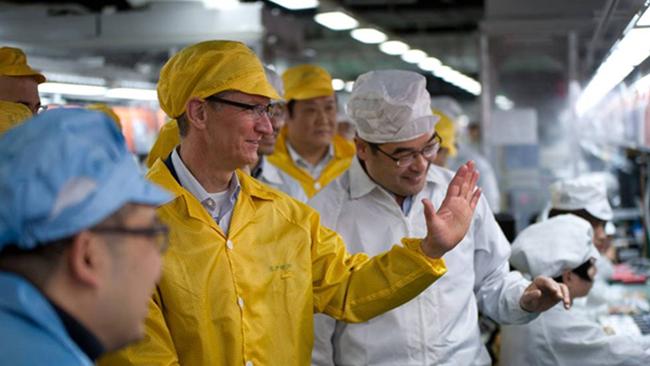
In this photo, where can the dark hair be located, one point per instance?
(290, 105)
(584, 214)
(581, 271)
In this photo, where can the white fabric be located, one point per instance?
(561, 337)
(391, 106)
(553, 246)
(440, 326)
(278, 179)
(274, 79)
(487, 179)
(585, 192)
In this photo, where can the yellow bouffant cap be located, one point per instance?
(306, 82)
(13, 62)
(447, 131)
(167, 140)
(106, 109)
(11, 114)
(208, 68)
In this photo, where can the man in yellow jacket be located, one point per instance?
(308, 148)
(19, 81)
(247, 266)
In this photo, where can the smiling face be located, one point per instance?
(312, 122)
(234, 134)
(402, 181)
(267, 144)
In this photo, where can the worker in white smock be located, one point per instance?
(378, 200)
(558, 336)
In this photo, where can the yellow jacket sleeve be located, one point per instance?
(356, 288)
(157, 348)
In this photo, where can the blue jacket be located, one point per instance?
(31, 332)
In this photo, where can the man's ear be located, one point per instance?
(87, 258)
(363, 149)
(196, 113)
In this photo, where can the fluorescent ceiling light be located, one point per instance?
(368, 35)
(504, 102)
(296, 4)
(349, 85)
(71, 89)
(336, 20)
(132, 94)
(74, 79)
(429, 64)
(220, 4)
(644, 21)
(338, 84)
(414, 56)
(393, 48)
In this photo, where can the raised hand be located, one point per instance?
(447, 227)
(543, 293)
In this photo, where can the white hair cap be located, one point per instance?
(274, 79)
(391, 106)
(551, 247)
(587, 192)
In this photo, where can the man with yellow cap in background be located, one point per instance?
(309, 148)
(447, 131)
(247, 266)
(19, 81)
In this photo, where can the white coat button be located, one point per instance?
(240, 302)
(249, 363)
(316, 185)
(229, 244)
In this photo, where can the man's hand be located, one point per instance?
(543, 293)
(447, 227)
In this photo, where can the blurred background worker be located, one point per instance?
(377, 201)
(308, 147)
(248, 266)
(560, 337)
(12, 114)
(79, 240)
(19, 81)
(447, 131)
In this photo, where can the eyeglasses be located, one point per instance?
(277, 110)
(405, 159)
(41, 109)
(258, 109)
(159, 233)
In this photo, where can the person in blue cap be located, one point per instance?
(80, 244)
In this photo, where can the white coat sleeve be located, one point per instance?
(497, 290)
(323, 352)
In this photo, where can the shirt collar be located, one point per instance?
(361, 183)
(79, 334)
(192, 185)
(266, 172)
(298, 160)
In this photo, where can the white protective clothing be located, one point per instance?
(439, 326)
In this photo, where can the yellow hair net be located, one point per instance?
(11, 114)
(207, 68)
(106, 109)
(306, 82)
(447, 131)
(13, 62)
(167, 140)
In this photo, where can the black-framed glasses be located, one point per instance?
(259, 110)
(407, 158)
(159, 233)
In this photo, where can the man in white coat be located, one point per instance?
(560, 337)
(378, 200)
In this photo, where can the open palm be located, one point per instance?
(447, 227)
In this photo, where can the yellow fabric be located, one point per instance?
(13, 62)
(447, 131)
(306, 82)
(344, 152)
(11, 114)
(207, 68)
(283, 264)
(101, 107)
(168, 138)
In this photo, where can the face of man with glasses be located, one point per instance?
(277, 116)
(22, 90)
(399, 167)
